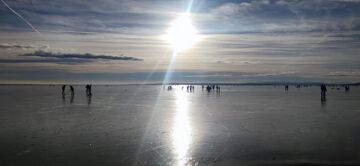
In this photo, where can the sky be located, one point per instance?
(120, 41)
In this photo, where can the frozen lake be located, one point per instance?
(146, 125)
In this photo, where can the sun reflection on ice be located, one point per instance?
(181, 136)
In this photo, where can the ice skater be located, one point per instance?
(88, 90)
(90, 93)
(347, 88)
(208, 88)
(63, 90)
(323, 92)
(72, 90)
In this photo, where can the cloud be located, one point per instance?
(57, 61)
(152, 16)
(238, 8)
(316, 5)
(238, 62)
(284, 16)
(125, 16)
(80, 56)
(344, 74)
(20, 46)
(266, 37)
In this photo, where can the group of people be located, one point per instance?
(210, 88)
(323, 89)
(190, 88)
(72, 90)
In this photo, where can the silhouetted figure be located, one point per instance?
(217, 88)
(63, 90)
(323, 92)
(72, 90)
(347, 88)
(90, 93)
(87, 89)
(202, 87)
(286, 87)
(192, 88)
(208, 88)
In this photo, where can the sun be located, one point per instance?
(181, 34)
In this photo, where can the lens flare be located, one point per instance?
(181, 34)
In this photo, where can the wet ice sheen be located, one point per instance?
(146, 125)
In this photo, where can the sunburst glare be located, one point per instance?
(181, 34)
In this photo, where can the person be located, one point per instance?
(323, 92)
(208, 88)
(286, 87)
(87, 89)
(347, 88)
(90, 93)
(63, 89)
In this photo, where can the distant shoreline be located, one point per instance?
(184, 83)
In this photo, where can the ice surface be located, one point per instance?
(146, 125)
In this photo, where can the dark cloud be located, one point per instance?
(19, 46)
(57, 61)
(79, 56)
